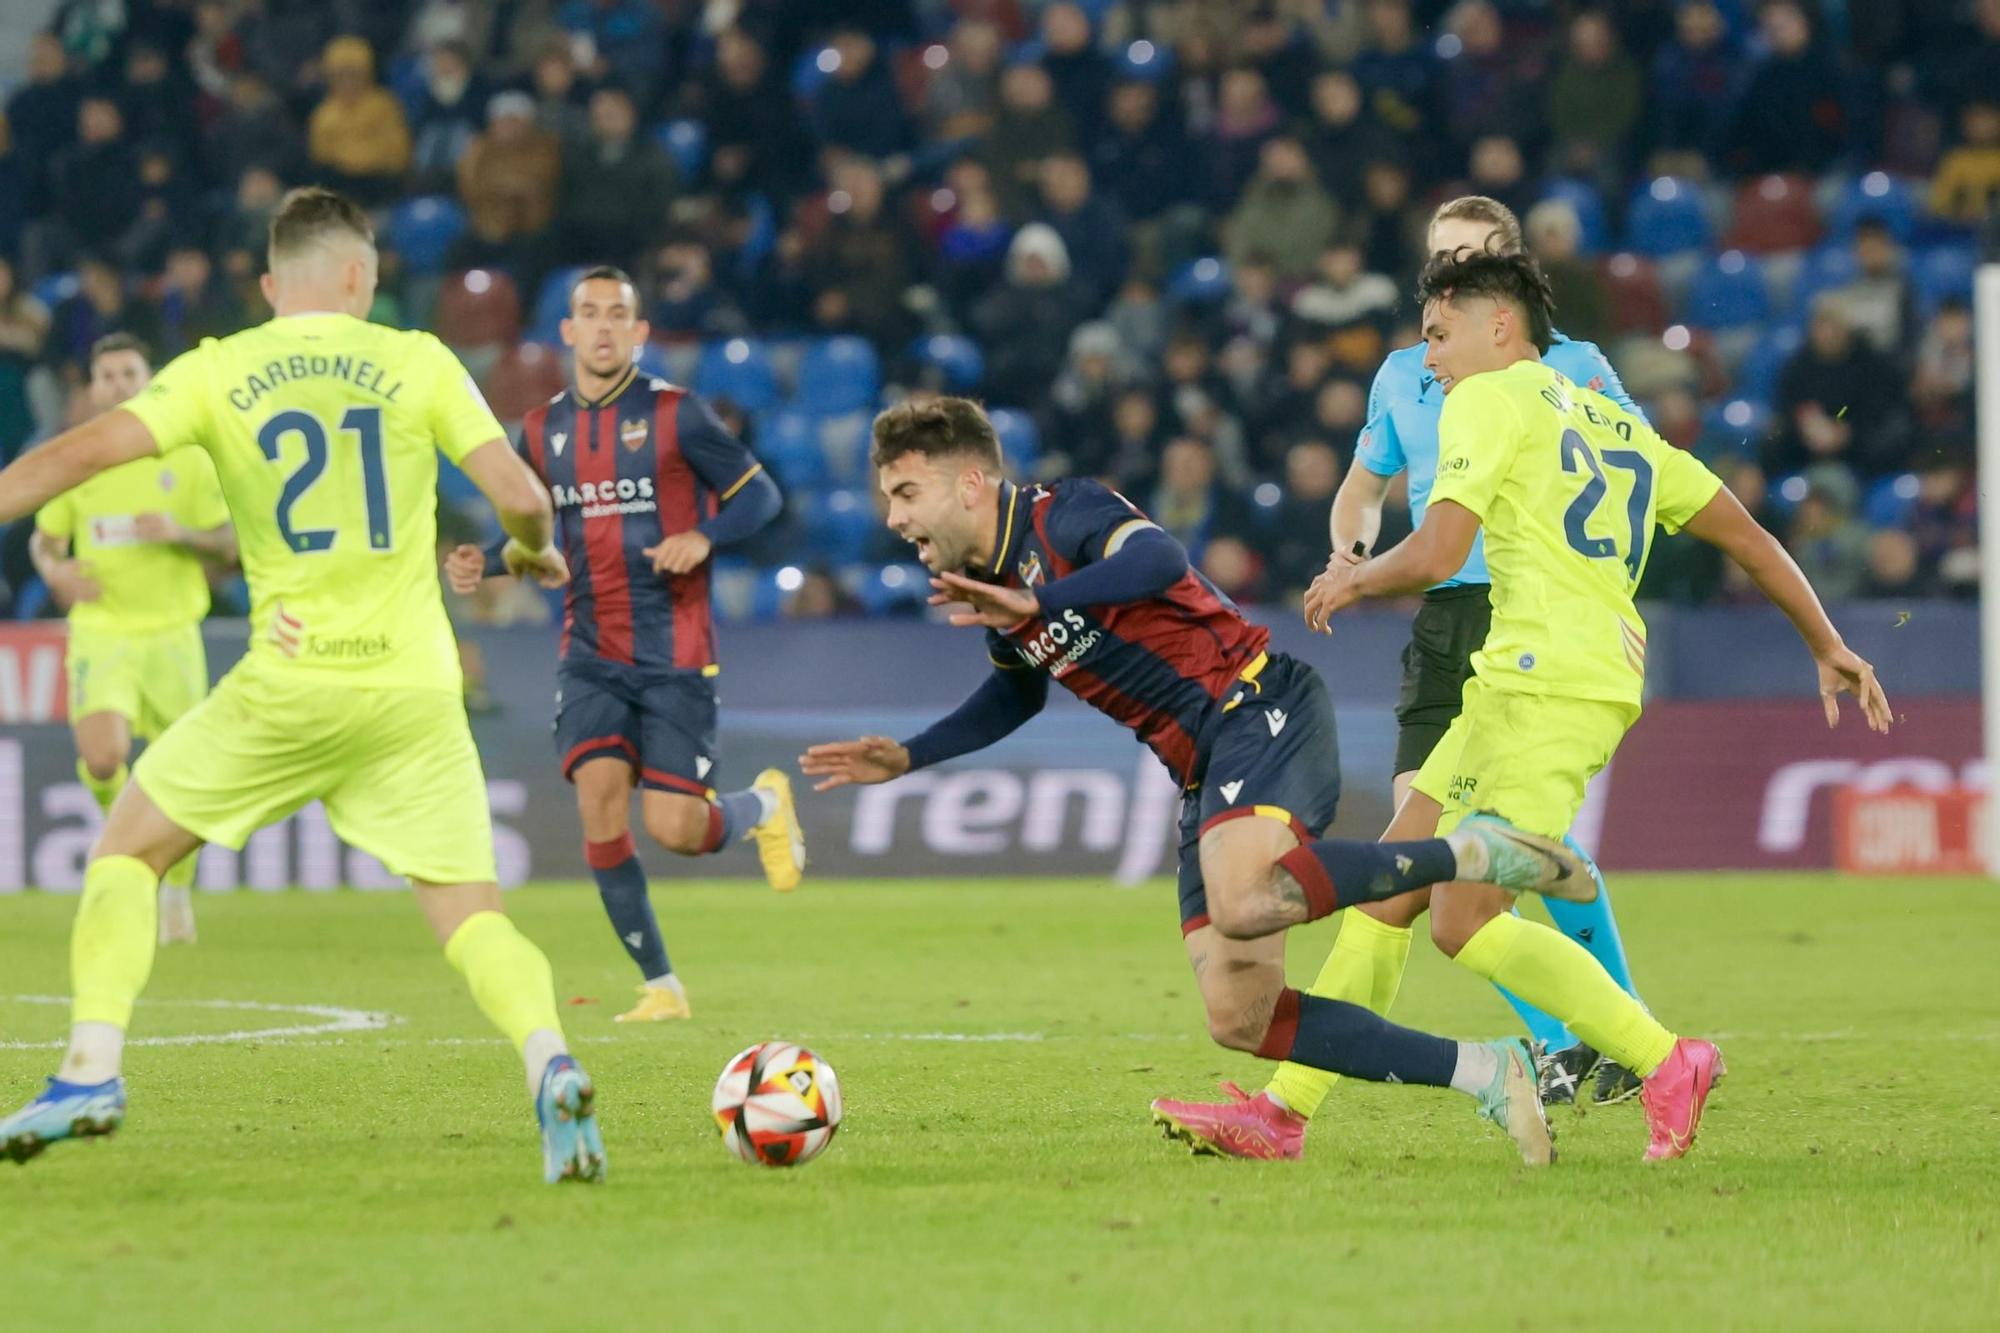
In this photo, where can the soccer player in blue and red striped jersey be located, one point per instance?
(1071, 582)
(646, 483)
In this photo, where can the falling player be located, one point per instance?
(1071, 582)
(128, 553)
(1366, 964)
(323, 429)
(1567, 487)
(647, 482)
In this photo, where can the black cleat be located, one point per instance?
(1614, 1083)
(1561, 1074)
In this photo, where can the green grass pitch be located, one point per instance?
(997, 1044)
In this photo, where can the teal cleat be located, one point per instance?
(63, 1111)
(1523, 861)
(1513, 1102)
(572, 1149)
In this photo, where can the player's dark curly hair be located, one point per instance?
(937, 428)
(1513, 278)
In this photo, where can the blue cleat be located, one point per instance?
(1513, 1102)
(63, 1111)
(1516, 859)
(572, 1149)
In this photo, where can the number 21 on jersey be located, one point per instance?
(364, 426)
(1578, 458)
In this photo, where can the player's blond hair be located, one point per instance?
(1480, 208)
(310, 217)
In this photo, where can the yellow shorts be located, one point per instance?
(1524, 757)
(147, 679)
(396, 769)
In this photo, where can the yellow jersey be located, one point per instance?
(323, 430)
(1568, 487)
(146, 587)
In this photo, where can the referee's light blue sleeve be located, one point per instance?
(1592, 369)
(1379, 450)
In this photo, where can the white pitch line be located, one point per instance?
(337, 1019)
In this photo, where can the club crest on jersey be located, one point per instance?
(166, 480)
(633, 435)
(1030, 569)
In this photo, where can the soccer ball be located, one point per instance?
(777, 1104)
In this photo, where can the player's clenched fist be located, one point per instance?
(463, 569)
(546, 566)
(679, 553)
(843, 763)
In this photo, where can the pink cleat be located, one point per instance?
(1244, 1126)
(1675, 1093)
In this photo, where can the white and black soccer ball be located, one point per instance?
(777, 1104)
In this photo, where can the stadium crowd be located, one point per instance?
(1172, 240)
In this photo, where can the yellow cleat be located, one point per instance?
(781, 844)
(657, 1004)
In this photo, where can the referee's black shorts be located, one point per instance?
(1448, 630)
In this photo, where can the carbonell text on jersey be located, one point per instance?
(358, 371)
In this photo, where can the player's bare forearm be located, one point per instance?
(517, 494)
(1357, 509)
(1432, 554)
(70, 459)
(1724, 523)
(213, 544)
(46, 552)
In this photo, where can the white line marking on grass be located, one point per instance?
(335, 1019)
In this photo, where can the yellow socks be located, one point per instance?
(103, 790)
(1556, 974)
(111, 944)
(1365, 967)
(510, 977)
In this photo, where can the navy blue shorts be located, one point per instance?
(662, 724)
(1272, 751)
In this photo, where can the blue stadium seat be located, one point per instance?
(732, 586)
(1144, 61)
(1667, 216)
(1201, 281)
(767, 601)
(1889, 501)
(1728, 292)
(956, 357)
(1877, 195)
(1734, 427)
(1942, 271)
(838, 375)
(686, 142)
(739, 370)
(1827, 268)
(1757, 377)
(900, 587)
(33, 597)
(56, 288)
(1587, 203)
(552, 304)
(423, 229)
(1020, 438)
(788, 442)
(841, 524)
(811, 70)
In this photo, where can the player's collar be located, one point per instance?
(1012, 528)
(611, 396)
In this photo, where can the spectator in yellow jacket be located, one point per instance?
(357, 136)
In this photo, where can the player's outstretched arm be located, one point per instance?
(70, 459)
(1004, 701)
(1432, 554)
(522, 503)
(67, 579)
(1724, 523)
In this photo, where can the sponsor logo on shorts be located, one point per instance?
(349, 648)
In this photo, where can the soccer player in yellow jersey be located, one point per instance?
(1567, 487)
(324, 430)
(126, 554)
